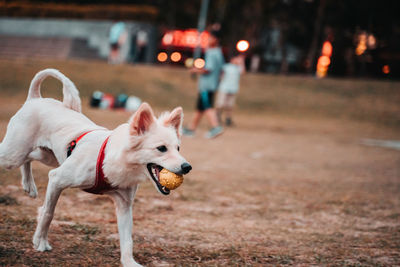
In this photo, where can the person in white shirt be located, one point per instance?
(228, 88)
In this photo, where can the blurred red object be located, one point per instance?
(107, 101)
(185, 38)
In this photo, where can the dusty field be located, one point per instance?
(281, 188)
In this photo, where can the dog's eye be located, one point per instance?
(162, 148)
(179, 148)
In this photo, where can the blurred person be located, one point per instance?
(142, 40)
(117, 38)
(229, 88)
(208, 85)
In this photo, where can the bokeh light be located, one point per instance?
(167, 39)
(176, 56)
(242, 45)
(162, 57)
(362, 44)
(327, 49)
(386, 69)
(199, 63)
(371, 42)
(189, 62)
(324, 61)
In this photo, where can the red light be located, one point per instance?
(190, 38)
(185, 38)
(386, 69)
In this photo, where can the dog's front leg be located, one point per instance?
(123, 200)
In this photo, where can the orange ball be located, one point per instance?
(170, 180)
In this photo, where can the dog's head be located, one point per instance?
(155, 143)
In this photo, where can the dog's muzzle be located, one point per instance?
(185, 168)
(155, 169)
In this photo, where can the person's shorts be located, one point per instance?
(225, 100)
(205, 100)
(114, 46)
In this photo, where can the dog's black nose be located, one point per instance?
(186, 168)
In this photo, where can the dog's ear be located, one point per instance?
(141, 121)
(175, 119)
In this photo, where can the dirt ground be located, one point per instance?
(275, 190)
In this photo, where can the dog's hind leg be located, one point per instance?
(46, 156)
(28, 183)
(46, 212)
(11, 157)
(17, 143)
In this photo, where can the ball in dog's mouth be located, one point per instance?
(169, 179)
(164, 179)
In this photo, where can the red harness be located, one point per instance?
(101, 184)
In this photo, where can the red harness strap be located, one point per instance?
(73, 143)
(101, 185)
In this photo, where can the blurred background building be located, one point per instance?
(318, 37)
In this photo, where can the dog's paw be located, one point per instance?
(130, 263)
(30, 189)
(41, 244)
(32, 192)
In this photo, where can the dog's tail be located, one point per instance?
(71, 94)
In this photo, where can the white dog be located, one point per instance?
(88, 156)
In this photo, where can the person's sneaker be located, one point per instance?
(187, 132)
(214, 132)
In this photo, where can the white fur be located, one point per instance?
(42, 129)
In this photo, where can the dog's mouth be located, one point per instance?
(154, 171)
